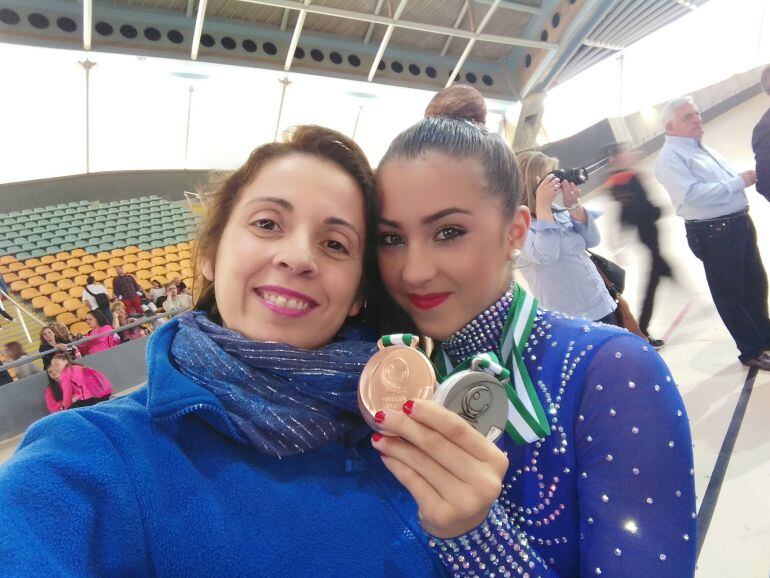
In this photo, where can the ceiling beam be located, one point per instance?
(386, 40)
(295, 37)
(458, 20)
(526, 8)
(368, 37)
(190, 7)
(285, 19)
(468, 47)
(408, 25)
(200, 16)
(88, 23)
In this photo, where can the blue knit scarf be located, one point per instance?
(285, 400)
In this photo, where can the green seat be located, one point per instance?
(37, 253)
(67, 247)
(23, 256)
(28, 246)
(53, 249)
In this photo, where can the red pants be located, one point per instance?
(133, 304)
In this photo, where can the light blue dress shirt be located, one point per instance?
(558, 270)
(699, 181)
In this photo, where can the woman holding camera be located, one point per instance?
(554, 260)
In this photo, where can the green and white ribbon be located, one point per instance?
(527, 421)
(400, 339)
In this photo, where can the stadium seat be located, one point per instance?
(78, 253)
(119, 252)
(130, 268)
(43, 269)
(82, 311)
(173, 268)
(87, 259)
(36, 281)
(101, 266)
(19, 286)
(40, 301)
(15, 266)
(47, 289)
(29, 293)
(99, 276)
(32, 263)
(53, 277)
(58, 266)
(21, 275)
(158, 260)
(158, 253)
(128, 258)
(103, 256)
(46, 259)
(86, 269)
(72, 304)
(65, 284)
(59, 297)
(132, 249)
(81, 279)
(116, 261)
(142, 275)
(63, 255)
(52, 310)
(76, 291)
(69, 273)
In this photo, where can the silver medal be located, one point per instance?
(477, 397)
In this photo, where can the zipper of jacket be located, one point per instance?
(208, 407)
(357, 458)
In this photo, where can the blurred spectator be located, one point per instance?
(4, 288)
(176, 302)
(638, 212)
(760, 142)
(54, 342)
(180, 285)
(554, 260)
(157, 293)
(95, 295)
(121, 319)
(99, 326)
(125, 288)
(73, 385)
(710, 197)
(15, 352)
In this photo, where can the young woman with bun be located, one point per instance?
(600, 478)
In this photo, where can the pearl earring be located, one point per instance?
(515, 254)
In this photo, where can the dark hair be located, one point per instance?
(310, 140)
(99, 316)
(15, 349)
(458, 101)
(54, 384)
(90, 280)
(454, 134)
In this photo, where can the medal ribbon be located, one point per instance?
(526, 418)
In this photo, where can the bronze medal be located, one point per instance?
(394, 375)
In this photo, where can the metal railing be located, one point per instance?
(137, 323)
(19, 316)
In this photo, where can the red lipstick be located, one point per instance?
(428, 300)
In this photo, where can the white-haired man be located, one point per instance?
(760, 142)
(710, 197)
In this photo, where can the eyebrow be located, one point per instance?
(289, 207)
(430, 219)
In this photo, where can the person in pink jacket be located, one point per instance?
(72, 385)
(99, 325)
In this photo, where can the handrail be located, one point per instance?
(12, 300)
(36, 356)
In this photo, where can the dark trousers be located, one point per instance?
(5, 314)
(611, 318)
(648, 235)
(736, 278)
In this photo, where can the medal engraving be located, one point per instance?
(478, 398)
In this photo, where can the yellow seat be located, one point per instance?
(144, 255)
(130, 268)
(76, 291)
(24, 274)
(45, 259)
(32, 263)
(183, 245)
(184, 254)
(4, 269)
(158, 261)
(131, 249)
(43, 269)
(80, 328)
(65, 284)
(40, 301)
(157, 252)
(81, 279)
(63, 255)
(101, 266)
(158, 270)
(58, 266)
(72, 305)
(30, 293)
(86, 269)
(66, 318)
(103, 255)
(143, 274)
(128, 259)
(143, 264)
(173, 267)
(82, 311)
(78, 252)
(86, 259)
(52, 310)
(118, 252)
(186, 272)
(99, 276)
(36, 281)
(15, 266)
(116, 261)
(7, 259)
(74, 262)
(59, 297)
(19, 286)
(53, 277)
(69, 273)
(47, 289)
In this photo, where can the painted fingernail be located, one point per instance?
(379, 417)
(376, 437)
(408, 407)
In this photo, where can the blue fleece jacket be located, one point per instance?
(156, 484)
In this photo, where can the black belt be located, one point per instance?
(734, 215)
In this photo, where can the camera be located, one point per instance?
(577, 176)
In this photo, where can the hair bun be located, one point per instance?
(459, 101)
